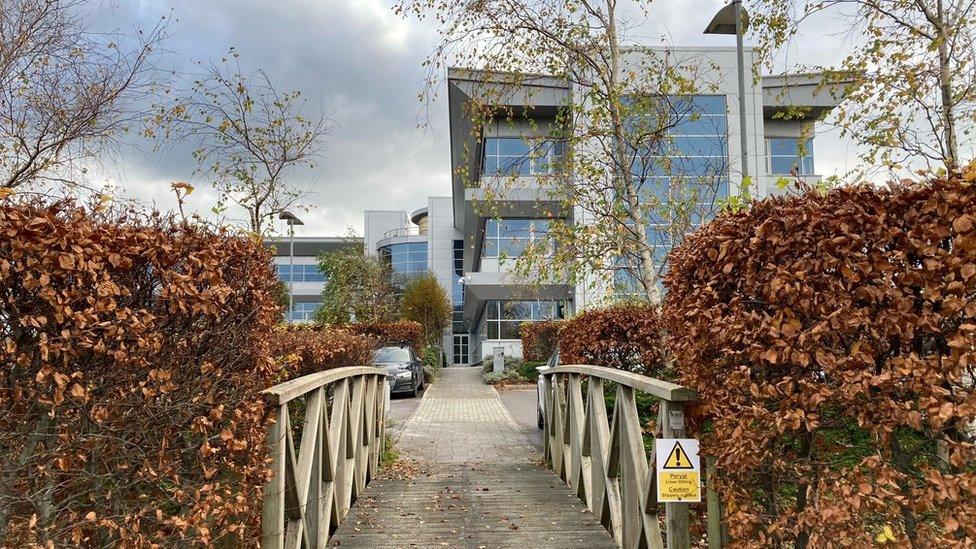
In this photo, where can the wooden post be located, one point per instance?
(676, 514)
(714, 506)
(273, 508)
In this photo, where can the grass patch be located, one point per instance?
(390, 452)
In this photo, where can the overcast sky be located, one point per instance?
(362, 63)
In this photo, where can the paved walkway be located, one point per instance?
(468, 478)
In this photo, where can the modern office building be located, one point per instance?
(425, 240)
(470, 240)
(497, 221)
(297, 265)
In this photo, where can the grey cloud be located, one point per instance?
(361, 63)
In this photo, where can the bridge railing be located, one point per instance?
(604, 461)
(318, 477)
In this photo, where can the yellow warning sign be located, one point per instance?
(678, 470)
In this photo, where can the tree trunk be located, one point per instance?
(902, 462)
(622, 175)
(945, 86)
(803, 534)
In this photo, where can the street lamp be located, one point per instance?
(292, 220)
(733, 19)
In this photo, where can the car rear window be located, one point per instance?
(391, 354)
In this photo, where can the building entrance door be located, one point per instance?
(460, 350)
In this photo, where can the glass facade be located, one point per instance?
(519, 156)
(300, 273)
(460, 336)
(689, 165)
(406, 260)
(503, 318)
(304, 311)
(683, 174)
(783, 155)
(511, 237)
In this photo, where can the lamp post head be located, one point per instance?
(724, 21)
(290, 218)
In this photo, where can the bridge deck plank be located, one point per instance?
(468, 478)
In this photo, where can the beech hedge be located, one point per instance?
(626, 336)
(305, 349)
(390, 333)
(539, 339)
(832, 340)
(133, 348)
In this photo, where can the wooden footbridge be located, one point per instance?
(467, 477)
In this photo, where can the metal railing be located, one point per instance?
(402, 231)
(342, 413)
(605, 462)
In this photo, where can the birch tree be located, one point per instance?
(631, 200)
(252, 140)
(909, 75)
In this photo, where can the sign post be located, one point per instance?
(678, 470)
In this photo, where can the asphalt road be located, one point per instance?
(401, 408)
(520, 401)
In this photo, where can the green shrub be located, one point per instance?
(503, 378)
(431, 368)
(528, 368)
(516, 371)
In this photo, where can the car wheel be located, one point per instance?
(413, 391)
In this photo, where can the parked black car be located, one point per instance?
(406, 372)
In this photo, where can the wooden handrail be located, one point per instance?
(315, 481)
(653, 386)
(602, 457)
(293, 388)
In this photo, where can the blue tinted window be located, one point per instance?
(300, 273)
(518, 156)
(303, 311)
(511, 146)
(709, 104)
(405, 260)
(692, 158)
(511, 237)
(784, 155)
(505, 318)
(781, 164)
(701, 125)
(698, 146)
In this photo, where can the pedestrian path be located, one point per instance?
(467, 477)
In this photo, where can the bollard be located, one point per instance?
(498, 364)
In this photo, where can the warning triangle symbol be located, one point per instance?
(678, 458)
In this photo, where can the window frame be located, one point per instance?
(492, 155)
(805, 163)
(498, 325)
(304, 315)
(306, 273)
(492, 243)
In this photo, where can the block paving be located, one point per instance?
(467, 477)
